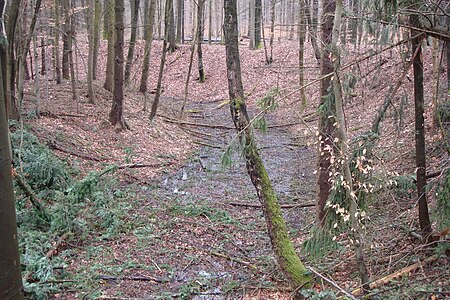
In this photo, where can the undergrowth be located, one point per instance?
(91, 206)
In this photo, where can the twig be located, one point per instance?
(206, 145)
(332, 283)
(54, 251)
(282, 205)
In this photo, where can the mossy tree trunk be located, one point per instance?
(287, 258)
(326, 128)
(258, 18)
(130, 55)
(11, 286)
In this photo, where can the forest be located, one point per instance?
(224, 149)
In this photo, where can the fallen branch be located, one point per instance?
(332, 283)
(28, 191)
(54, 146)
(388, 278)
(138, 165)
(282, 205)
(206, 144)
(221, 255)
(218, 126)
(132, 278)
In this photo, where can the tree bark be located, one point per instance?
(168, 9)
(134, 20)
(287, 258)
(258, 16)
(311, 18)
(326, 128)
(148, 45)
(11, 286)
(116, 115)
(272, 31)
(97, 18)
(66, 40)
(180, 21)
(56, 46)
(201, 71)
(110, 64)
(344, 153)
(424, 217)
(301, 50)
(91, 33)
(11, 99)
(171, 28)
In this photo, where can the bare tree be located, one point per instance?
(134, 20)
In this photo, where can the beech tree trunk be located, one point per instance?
(148, 45)
(56, 45)
(11, 286)
(326, 128)
(180, 21)
(424, 217)
(66, 40)
(134, 20)
(116, 115)
(258, 16)
(200, 26)
(109, 76)
(287, 258)
(301, 50)
(90, 73)
(97, 18)
(11, 99)
(171, 30)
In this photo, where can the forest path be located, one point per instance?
(200, 245)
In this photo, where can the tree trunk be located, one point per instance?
(301, 50)
(110, 64)
(424, 217)
(326, 128)
(11, 286)
(210, 21)
(11, 100)
(201, 71)
(287, 258)
(116, 115)
(258, 16)
(148, 45)
(272, 30)
(66, 40)
(97, 18)
(171, 28)
(180, 21)
(344, 153)
(134, 19)
(311, 17)
(167, 11)
(56, 46)
(251, 24)
(91, 33)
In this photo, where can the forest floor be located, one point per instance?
(192, 228)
